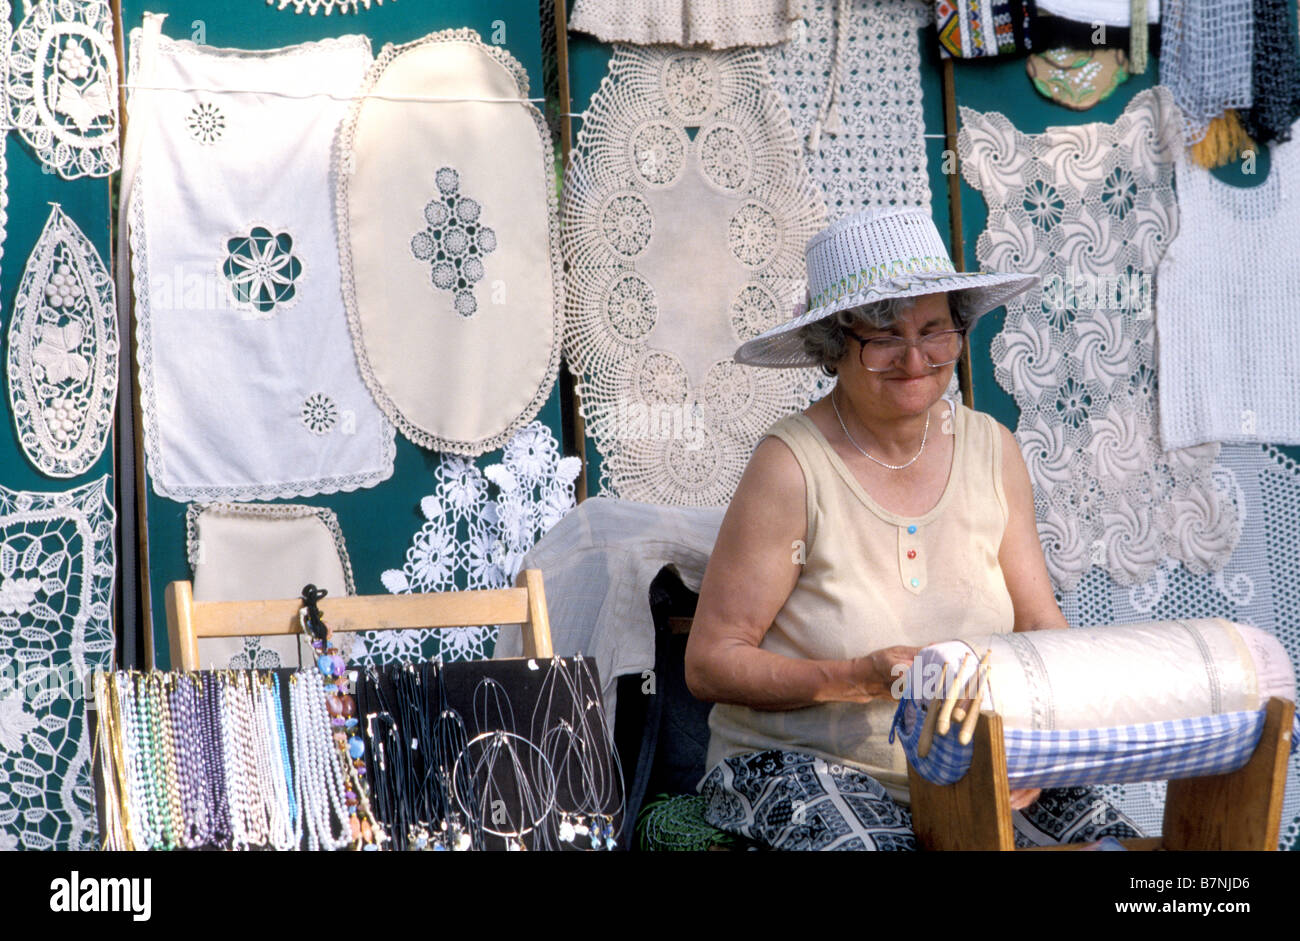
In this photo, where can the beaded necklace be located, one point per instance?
(319, 777)
(341, 719)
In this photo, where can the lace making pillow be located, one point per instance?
(249, 384)
(450, 243)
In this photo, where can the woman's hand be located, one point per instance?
(882, 668)
(1022, 798)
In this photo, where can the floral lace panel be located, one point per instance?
(62, 86)
(686, 212)
(862, 140)
(454, 241)
(479, 524)
(63, 350)
(1257, 586)
(1090, 208)
(262, 271)
(56, 594)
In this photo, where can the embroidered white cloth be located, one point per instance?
(680, 246)
(1090, 208)
(449, 242)
(56, 608)
(1229, 327)
(1207, 58)
(63, 350)
(249, 386)
(597, 565)
(719, 24)
(852, 82)
(478, 525)
(329, 6)
(248, 552)
(61, 85)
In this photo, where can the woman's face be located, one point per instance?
(910, 385)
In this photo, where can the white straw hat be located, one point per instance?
(870, 256)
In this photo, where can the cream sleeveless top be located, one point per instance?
(874, 579)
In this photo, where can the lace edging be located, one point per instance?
(276, 511)
(345, 141)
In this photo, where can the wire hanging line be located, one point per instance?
(434, 99)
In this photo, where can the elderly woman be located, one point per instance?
(881, 519)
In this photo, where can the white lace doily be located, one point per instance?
(719, 24)
(449, 242)
(249, 551)
(1257, 586)
(686, 211)
(62, 85)
(479, 524)
(1079, 205)
(249, 387)
(56, 630)
(63, 350)
(862, 138)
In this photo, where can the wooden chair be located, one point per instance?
(525, 605)
(1237, 811)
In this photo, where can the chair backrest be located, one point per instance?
(525, 605)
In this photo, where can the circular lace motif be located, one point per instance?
(752, 235)
(262, 270)
(659, 153)
(728, 390)
(690, 87)
(754, 310)
(661, 378)
(631, 307)
(725, 158)
(319, 413)
(206, 123)
(627, 224)
(692, 463)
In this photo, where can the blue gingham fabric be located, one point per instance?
(1153, 751)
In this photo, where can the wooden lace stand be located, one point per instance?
(1241, 810)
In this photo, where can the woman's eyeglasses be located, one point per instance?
(880, 354)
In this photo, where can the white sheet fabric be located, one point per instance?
(1097, 677)
(597, 565)
(249, 385)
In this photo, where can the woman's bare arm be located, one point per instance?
(750, 575)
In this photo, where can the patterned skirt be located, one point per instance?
(792, 801)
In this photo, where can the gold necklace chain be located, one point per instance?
(844, 427)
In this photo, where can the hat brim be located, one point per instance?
(980, 292)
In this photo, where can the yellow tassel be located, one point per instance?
(1224, 141)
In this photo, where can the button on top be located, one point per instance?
(915, 582)
(911, 553)
(911, 529)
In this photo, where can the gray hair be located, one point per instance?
(826, 340)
